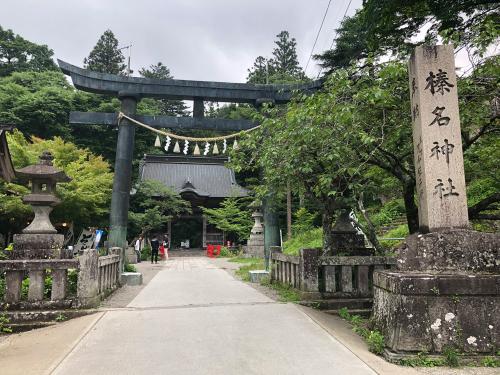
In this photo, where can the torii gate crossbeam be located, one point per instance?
(131, 89)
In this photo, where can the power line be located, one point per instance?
(335, 35)
(317, 35)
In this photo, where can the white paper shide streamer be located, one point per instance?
(186, 147)
(207, 148)
(167, 144)
(224, 146)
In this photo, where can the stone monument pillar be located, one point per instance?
(444, 291)
(40, 240)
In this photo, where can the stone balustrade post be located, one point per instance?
(308, 269)
(88, 278)
(118, 251)
(37, 285)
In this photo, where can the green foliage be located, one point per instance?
(85, 199)
(152, 205)
(105, 57)
(61, 317)
(422, 360)
(283, 67)
(451, 356)
(399, 232)
(390, 211)
(146, 253)
(2, 285)
(233, 217)
(130, 268)
(286, 292)
(250, 264)
(72, 282)
(4, 324)
(304, 240)
(226, 253)
(491, 362)
(303, 221)
(164, 106)
(387, 27)
(376, 342)
(344, 313)
(18, 54)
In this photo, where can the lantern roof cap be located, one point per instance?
(43, 170)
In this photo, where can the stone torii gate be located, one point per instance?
(129, 90)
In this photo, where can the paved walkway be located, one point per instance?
(195, 318)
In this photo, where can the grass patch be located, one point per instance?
(286, 293)
(248, 264)
(374, 339)
(398, 232)
(306, 240)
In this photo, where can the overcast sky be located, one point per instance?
(215, 40)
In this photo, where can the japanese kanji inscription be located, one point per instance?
(437, 140)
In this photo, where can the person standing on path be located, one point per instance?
(137, 247)
(155, 245)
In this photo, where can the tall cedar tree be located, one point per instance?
(165, 106)
(106, 57)
(282, 67)
(18, 54)
(285, 61)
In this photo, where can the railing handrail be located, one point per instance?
(358, 260)
(108, 259)
(37, 264)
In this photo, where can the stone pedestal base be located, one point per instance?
(445, 292)
(257, 275)
(38, 246)
(131, 255)
(255, 246)
(428, 312)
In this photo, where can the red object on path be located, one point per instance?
(162, 251)
(213, 251)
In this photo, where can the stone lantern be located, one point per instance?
(255, 244)
(40, 238)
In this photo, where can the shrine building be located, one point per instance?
(204, 182)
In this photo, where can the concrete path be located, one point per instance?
(194, 318)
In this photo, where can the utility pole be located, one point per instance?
(129, 47)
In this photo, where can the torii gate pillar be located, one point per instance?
(123, 175)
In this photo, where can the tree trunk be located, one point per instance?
(370, 232)
(327, 223)
(288, 212)
(410, 206)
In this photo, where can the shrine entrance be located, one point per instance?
(130, 90)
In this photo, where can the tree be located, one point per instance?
(84, 200)
(283, 67)
(165, 106)
(105, 57)
(18, 54)
(285, 61)
(390, 27)
(260, 71)
(233, 217)
(152, 205)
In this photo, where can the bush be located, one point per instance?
(72, 282)
(376, 342)
(389, 212)
(130, 268)
(146, 253)
(226, 252)
(451, 356)
(491, 362)
(303, 221)
(306, 240)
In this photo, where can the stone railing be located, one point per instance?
(97, 276)
(109, 272)
(328, 276)
(36, 269)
